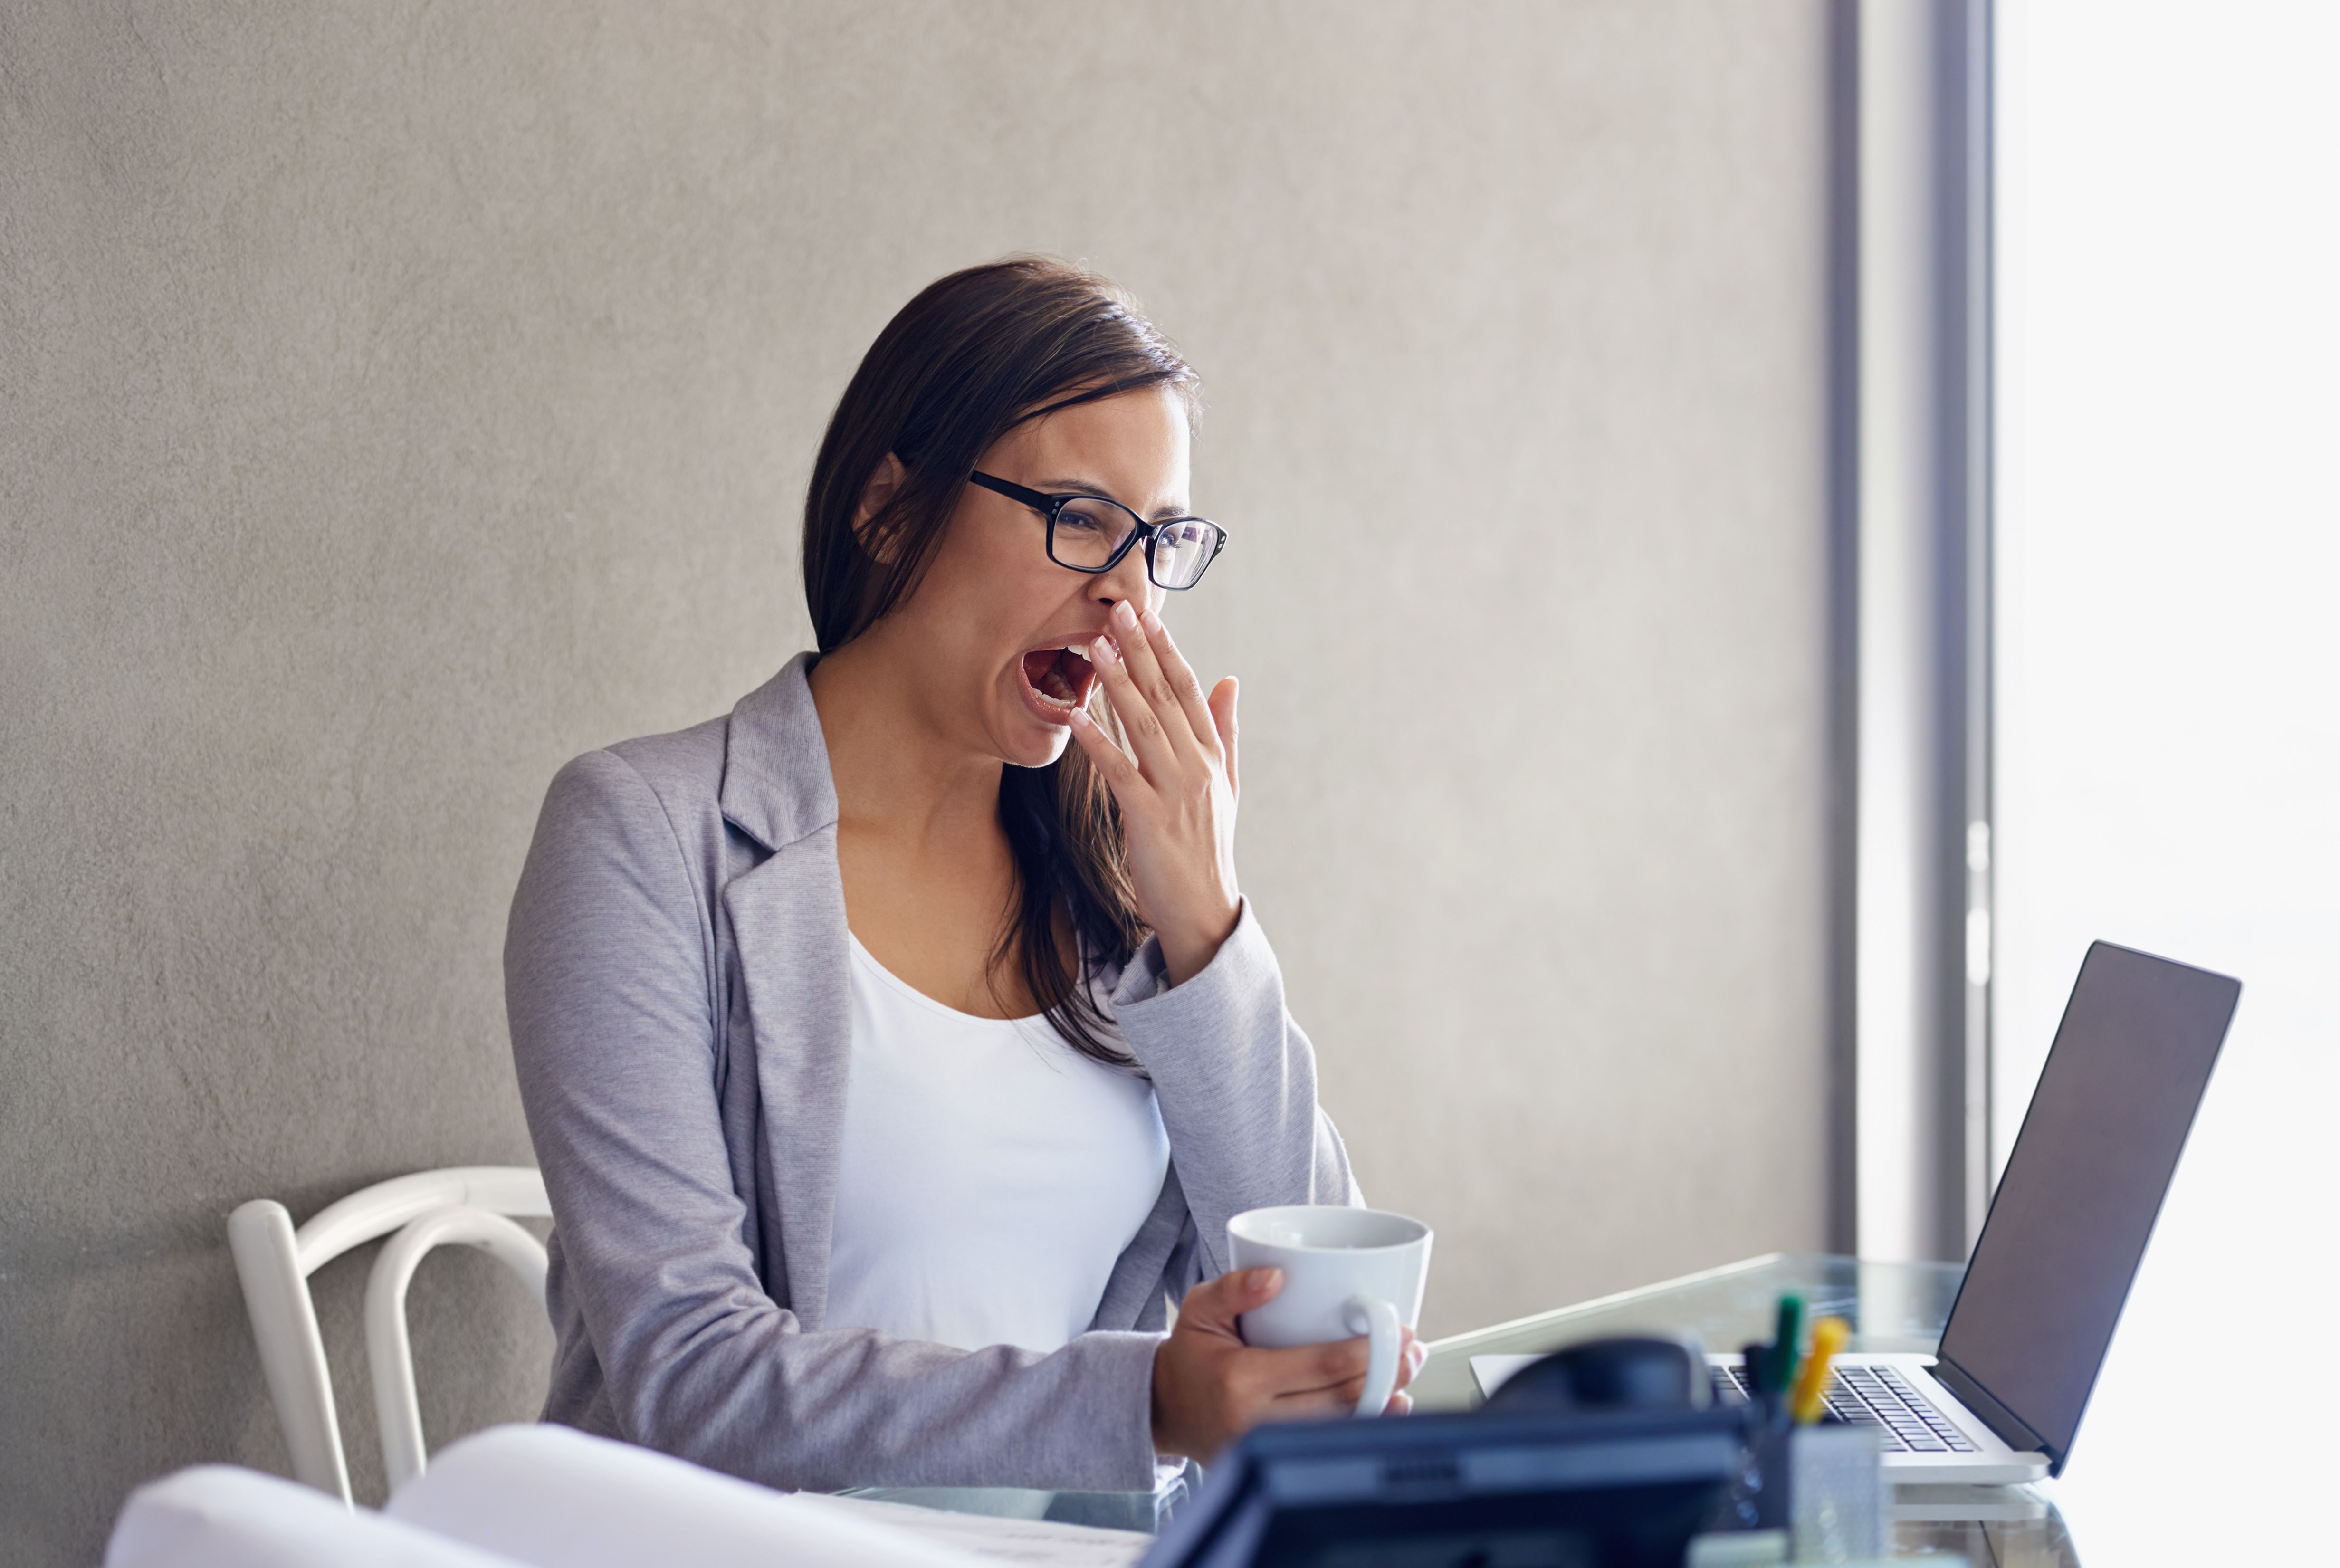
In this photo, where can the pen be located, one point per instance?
(1786, 1344)
(1829, 1336)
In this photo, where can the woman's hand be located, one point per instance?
(1210, 1388)
(1178, 796)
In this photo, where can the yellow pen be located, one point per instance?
(1807, 1403)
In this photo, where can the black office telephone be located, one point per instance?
(1609, 1490)
(1608, 1455)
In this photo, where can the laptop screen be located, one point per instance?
(2084, 1183)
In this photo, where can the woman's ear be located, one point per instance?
(885, 482)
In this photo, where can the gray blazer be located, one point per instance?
(675, 972)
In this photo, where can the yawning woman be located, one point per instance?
(897, 1046)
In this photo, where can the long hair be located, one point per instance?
(973, 356)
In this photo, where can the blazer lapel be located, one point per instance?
(787, 916)
(787, 920)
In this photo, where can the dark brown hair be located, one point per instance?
(975, 355)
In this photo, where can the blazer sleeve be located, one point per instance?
(608, 966)
(1236, 1081)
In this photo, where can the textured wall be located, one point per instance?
(396, 399)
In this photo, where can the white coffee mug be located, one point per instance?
(1347, 1272)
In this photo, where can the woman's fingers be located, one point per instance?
(1150, 742)
(1214, 1305)
(1143, 653)
(1111, 763)
(1308, 1369)
(1185, 686)
(1317, 1403)
(1340, 1399)
(1222, 717)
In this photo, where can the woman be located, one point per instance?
(893, 1063)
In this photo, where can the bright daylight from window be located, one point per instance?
(2168, 679)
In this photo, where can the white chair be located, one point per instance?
(468, 1206)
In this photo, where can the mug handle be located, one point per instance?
(1365, 1314)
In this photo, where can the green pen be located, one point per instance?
(1786, 1345)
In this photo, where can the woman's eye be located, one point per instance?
(1080, 517)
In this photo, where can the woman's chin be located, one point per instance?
(1036, 745)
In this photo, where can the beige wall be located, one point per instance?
(399, 399)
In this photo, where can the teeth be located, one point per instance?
(1080, 653)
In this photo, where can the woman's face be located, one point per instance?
(986, 626)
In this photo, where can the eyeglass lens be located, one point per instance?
(1090, 531)
(1181, 551)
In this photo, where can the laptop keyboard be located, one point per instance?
(1878, 1397)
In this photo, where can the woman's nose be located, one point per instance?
(1127, 579)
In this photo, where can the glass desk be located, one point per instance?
(1891, 1307)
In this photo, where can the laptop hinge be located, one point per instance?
(2011, 1430)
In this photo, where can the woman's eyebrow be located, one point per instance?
(1063, 486)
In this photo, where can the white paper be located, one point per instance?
(1491, 1372)
(1037, 1542)
(553, 1497)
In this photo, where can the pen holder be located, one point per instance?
(1836, 1495)
(1820, 1486)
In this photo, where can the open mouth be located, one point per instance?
(1060, 677)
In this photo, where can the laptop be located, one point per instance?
(2002, 1399)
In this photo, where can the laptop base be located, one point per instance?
(1985, 1461)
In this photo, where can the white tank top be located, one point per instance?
(989, 1176)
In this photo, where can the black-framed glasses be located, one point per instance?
(1092, 533)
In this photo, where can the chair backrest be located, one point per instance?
(470, 1206)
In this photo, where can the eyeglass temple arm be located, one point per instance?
(1034, 499)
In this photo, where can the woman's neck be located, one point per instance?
(929, 879)
(898, 774)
